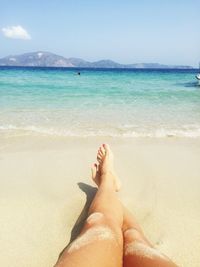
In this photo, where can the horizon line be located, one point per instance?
(97, 60)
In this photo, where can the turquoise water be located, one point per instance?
(126, 103)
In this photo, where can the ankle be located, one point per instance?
(108, 174)
(107, 181)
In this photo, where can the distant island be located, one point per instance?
(47, 59)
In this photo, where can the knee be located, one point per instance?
(132, 234)
(95, 218)
(100, 219)
(105, 224)
(135, 244)
(95, 230)
(143, 253)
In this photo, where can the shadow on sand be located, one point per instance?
(90, 193)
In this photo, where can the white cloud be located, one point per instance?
(16, 32)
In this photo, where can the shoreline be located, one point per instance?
(41, 197)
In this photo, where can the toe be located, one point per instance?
(99, 158)
(100, 153)
(102, 150)
(106, 146)
(108, 150)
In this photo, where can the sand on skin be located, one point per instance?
(40, 199)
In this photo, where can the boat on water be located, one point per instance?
(198, 76)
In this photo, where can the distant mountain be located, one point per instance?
(47, 59)
(81, 63)
(36, 59)
(107, 64)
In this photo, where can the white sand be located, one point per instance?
(40, 200)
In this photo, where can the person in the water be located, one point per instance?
(111, 237)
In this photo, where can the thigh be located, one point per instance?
(138, 252)
(99, 245)
(144, 256)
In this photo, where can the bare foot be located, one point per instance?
(105, 158)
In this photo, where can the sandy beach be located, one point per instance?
(45, 182)
(78, 74)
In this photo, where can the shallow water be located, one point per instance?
(125, 103)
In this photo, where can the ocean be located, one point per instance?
(99, 102)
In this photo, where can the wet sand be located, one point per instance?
(45, 182)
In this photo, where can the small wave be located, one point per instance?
(12, 130)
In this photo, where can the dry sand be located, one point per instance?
(40, 198)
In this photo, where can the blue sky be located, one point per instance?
(125, 31)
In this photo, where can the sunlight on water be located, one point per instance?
(99, 102)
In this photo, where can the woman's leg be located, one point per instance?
(138, 251)
(100, 243)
